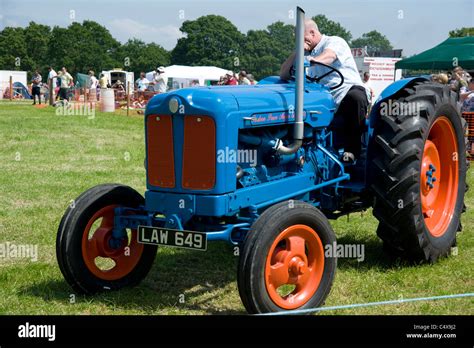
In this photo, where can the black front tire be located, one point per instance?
(268, 227)
(69, 250)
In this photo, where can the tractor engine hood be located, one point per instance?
(244, 102)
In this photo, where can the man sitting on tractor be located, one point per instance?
(351, 97)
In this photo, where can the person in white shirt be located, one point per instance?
(142, 83)
(52, 82)
(350, 98)
(160, 80)
(243, 80)
(368, 87)
(92, 84)
(52, 77)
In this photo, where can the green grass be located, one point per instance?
(48, 160)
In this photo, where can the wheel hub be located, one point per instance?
(429, 191)
(297, 267)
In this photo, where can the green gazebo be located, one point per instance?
(445, 56)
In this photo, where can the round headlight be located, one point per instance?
(173, 105)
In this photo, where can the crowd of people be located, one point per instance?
(232, 79)
(461, 82)
(158, 83)
(60, 81)
(63, 83)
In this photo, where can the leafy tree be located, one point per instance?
(209, 40)
(331, 28)
(374, 41)
(13, 50)
(465, 31)
(264, 51)
(37, 38)
(81, 47)
(138, 56)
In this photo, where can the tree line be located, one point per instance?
(207, 40)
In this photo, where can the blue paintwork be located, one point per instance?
(232, 108)
(241, 110)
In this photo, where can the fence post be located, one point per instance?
(128, 97)
(51, 92)
(11, 88)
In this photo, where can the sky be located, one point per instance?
(412, 25)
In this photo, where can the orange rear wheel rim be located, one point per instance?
(295, 259)
(439, 177)
(96, 244)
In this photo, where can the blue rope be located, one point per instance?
(369, 304)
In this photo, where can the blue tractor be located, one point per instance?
(255, 166)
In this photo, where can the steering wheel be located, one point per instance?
(331, 70)
(319, 78)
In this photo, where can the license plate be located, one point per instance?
(170, 237)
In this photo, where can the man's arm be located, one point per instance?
(286, 67)
(327, 57)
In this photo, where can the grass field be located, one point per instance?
(47, 160)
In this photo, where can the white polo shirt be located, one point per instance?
(344, 62)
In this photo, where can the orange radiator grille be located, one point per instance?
(160, 152)
(199, 153)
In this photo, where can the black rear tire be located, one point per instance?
(398, 148)
(69, 250)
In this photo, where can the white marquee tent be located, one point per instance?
(183, 76)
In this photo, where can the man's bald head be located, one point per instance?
(309, 24)
(312, 36)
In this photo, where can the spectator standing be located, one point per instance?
(251, 79)
(467, 98)
(160, 80)
(92, 85)
(222, 81)
(103, 82)
(52, 79)
(440, 78)
(368, 87)
(243, 80)
(36, 86)
(230, 80)
(459, 84)
(66, 81)
(142, 83)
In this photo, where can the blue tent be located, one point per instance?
(20, 88)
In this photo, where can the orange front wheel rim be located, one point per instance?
(294, 266)
(439, 177)
(103, 260)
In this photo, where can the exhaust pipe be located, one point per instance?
(299, 84)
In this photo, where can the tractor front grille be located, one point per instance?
(198, 151)
(160, 152)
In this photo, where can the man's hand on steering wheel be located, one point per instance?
(316, 79)
(319, 78)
